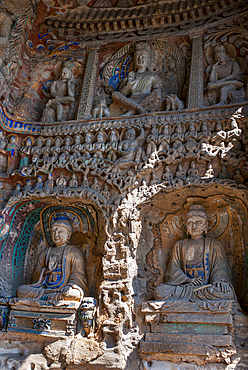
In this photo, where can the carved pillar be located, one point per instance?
(87, 92)
(195, 97)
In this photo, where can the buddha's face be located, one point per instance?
(57, 142)
(65, 74)
(179, 129)
(113, 136)
(221, 57)
(141, 60)
(196, 226)
(130, 135)
(100, 137)
(48, 142)
(60, 234)
(88, 138)
(77, 139)
(39, 142)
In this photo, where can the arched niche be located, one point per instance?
(163, 224)
(26, 239)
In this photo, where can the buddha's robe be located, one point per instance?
(70, 272)
(212, 268)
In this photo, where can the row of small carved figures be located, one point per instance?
(59, 184)
(156, 142)
(129, 181)
(183, 176)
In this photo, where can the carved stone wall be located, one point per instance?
(118, 117)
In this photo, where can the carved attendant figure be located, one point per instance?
(60, 270)
(224, 76)
(63, 93)
(198, 268)
(139, 87)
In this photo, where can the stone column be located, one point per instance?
(87, 91)
(195, 96)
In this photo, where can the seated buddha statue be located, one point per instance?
(60, 273)
(139, 88)
(198, 268)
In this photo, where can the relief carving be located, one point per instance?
(198, 268)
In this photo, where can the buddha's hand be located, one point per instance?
(215, 65)
(52, 264)
(68, 291)
(196, 281)
(131, 78)
(224, 287)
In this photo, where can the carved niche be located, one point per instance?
(166, 63)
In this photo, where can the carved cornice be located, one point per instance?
(82, 24)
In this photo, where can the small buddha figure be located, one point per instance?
(152, 141)
(140, 87)
(17, 190)
(234, 135)
(67, 147)
(39, 183)
(209, 174)
(193, 172)
(177, 138)
(28, 185)
(49, 184)
(61, 181)
(99, 145)
(60, 270)
(37, 149)
(143, 188)
(224, 174)
(95, 185)
(205, 135)
(238, 177)
(164, 139)
(154, 180)
(219, 136)
(224, 76)
(167, 175)
(130, 148)
(129, 181)
(112, 146)
(48, 146)
(191, 133)
(63, 93)
(57, 146)
(25, 152)
(76, 147)
(73, 183)
(12, 146)
(198, 268)
(180, 173)
(105, 192)
(87, 146)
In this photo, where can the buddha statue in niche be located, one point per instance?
(60, 273)
(139, 88)
(198, 268)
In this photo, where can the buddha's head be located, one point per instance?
(142, 59)
(196, 221)
(61, 231)
(66, 74)
(220, 54)
(130, 134)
